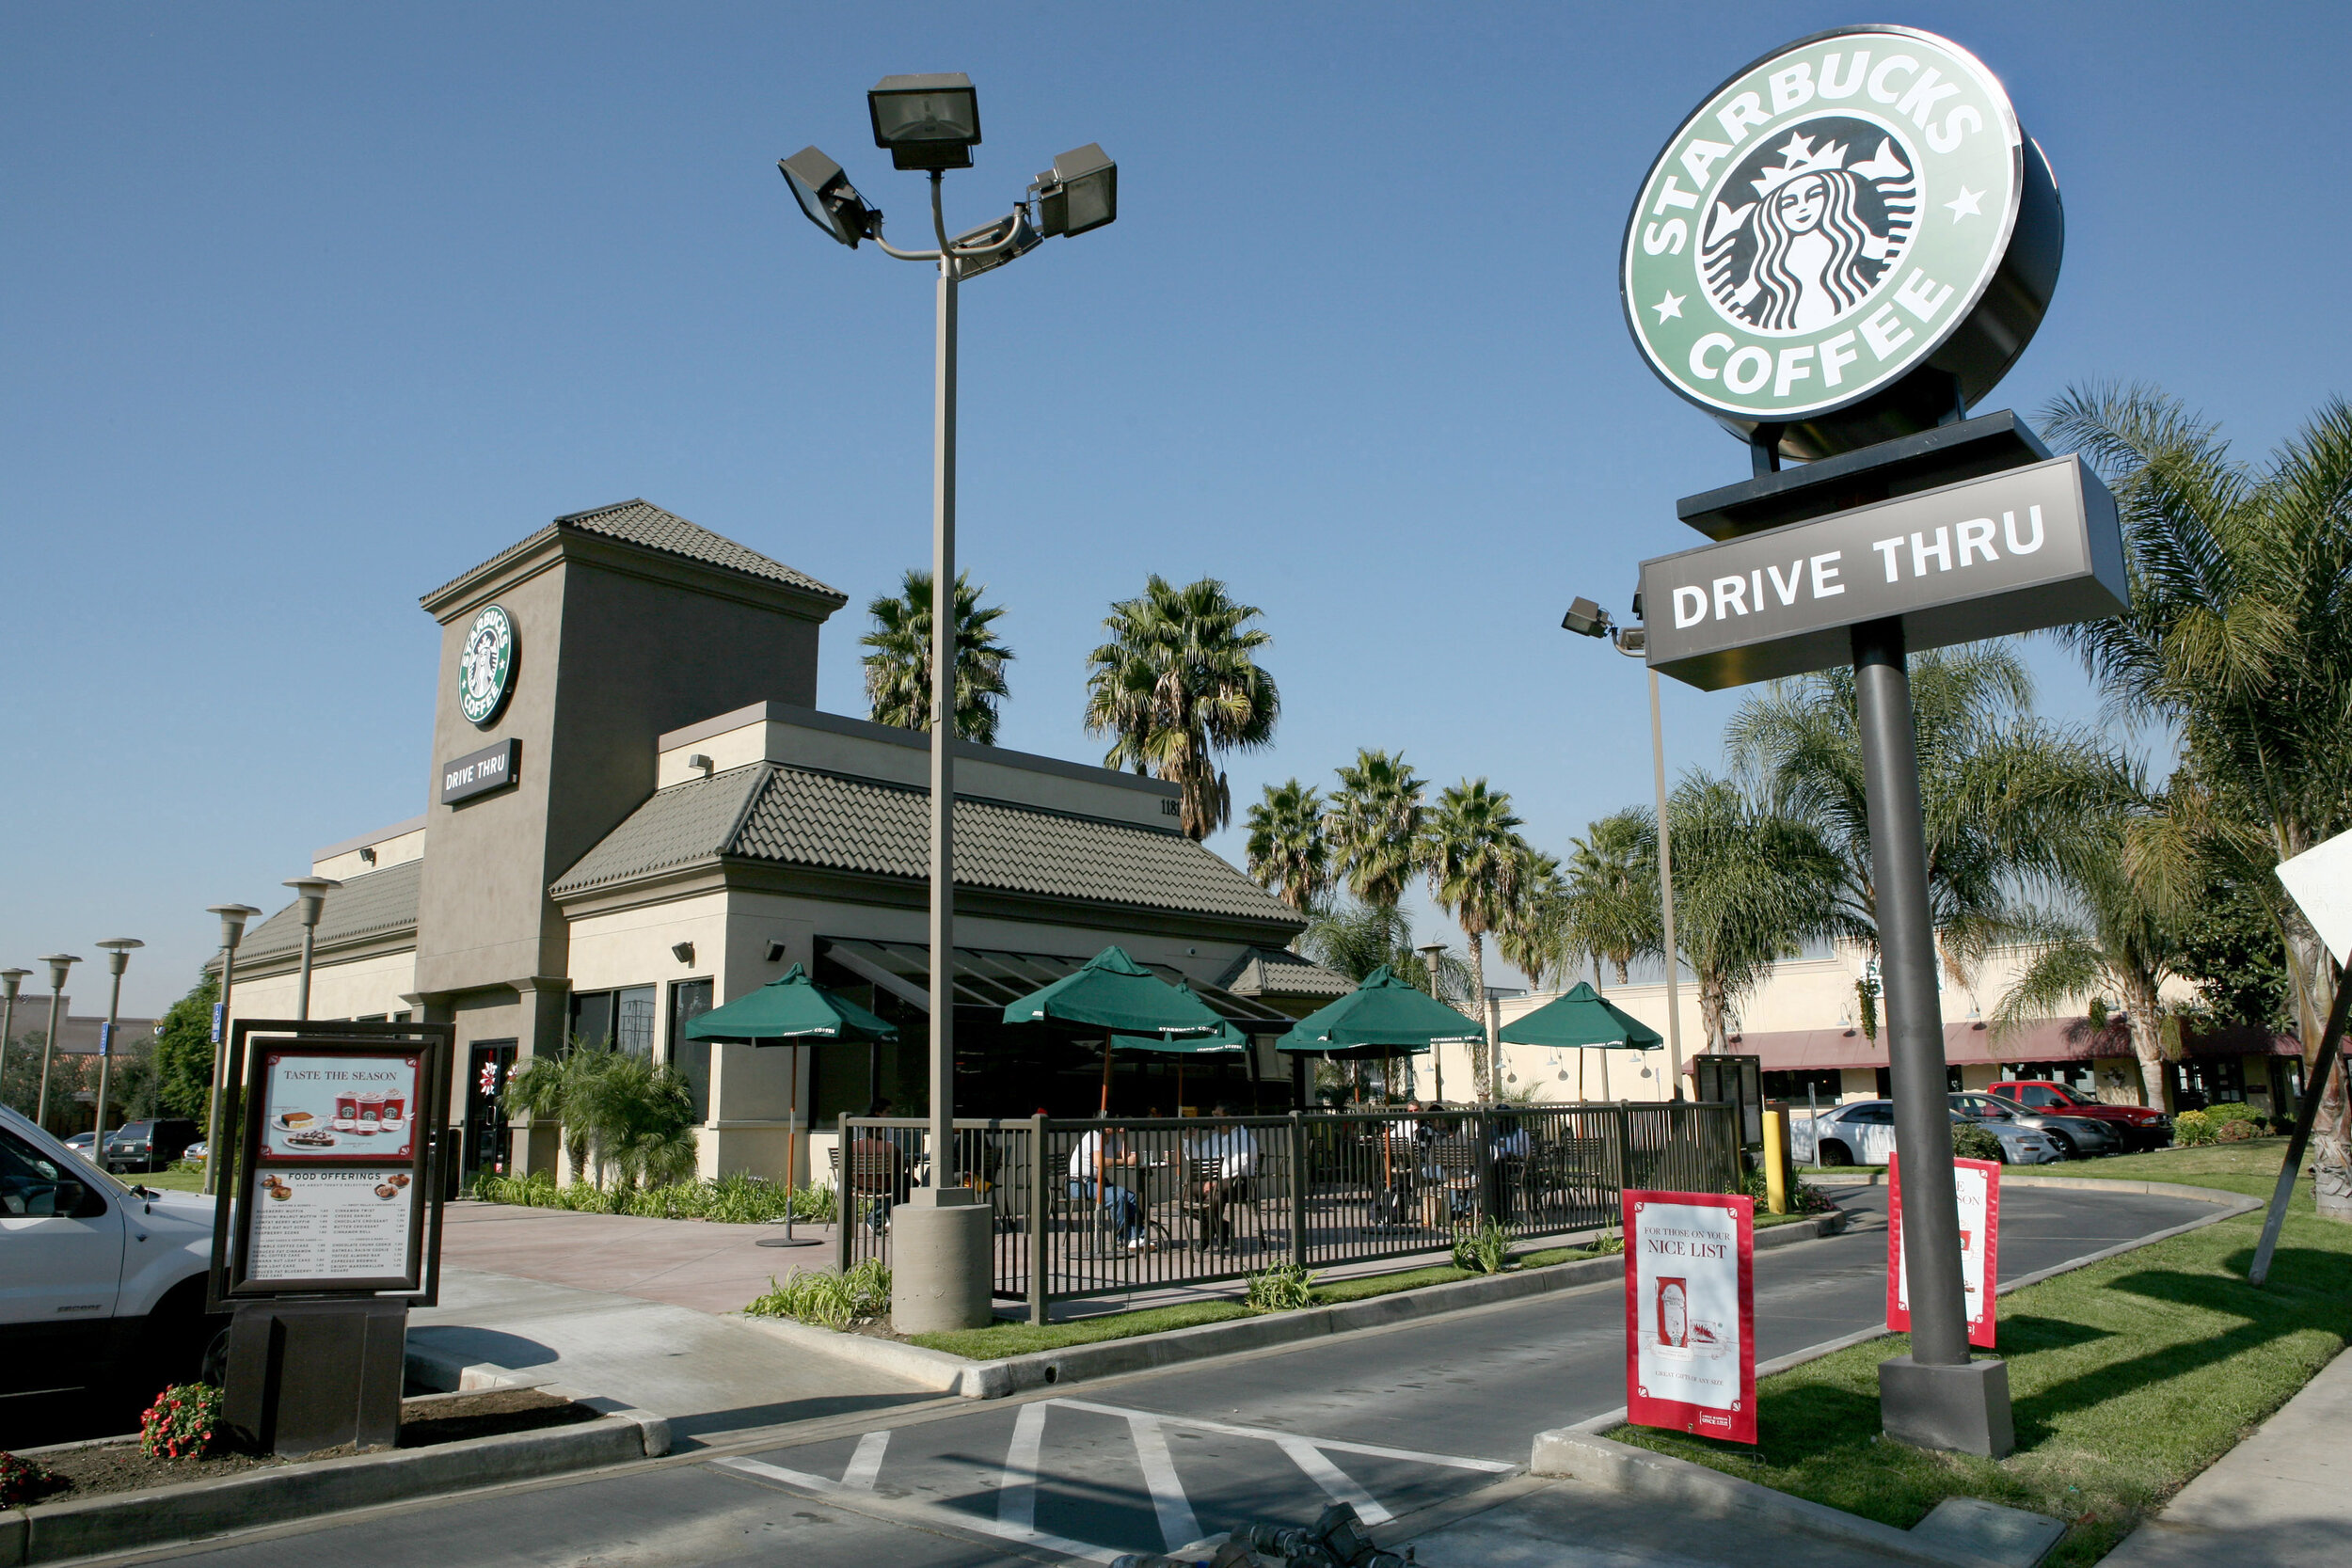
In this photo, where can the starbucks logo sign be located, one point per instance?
(1829, 222)
(486, 668)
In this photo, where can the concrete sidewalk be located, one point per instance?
(2280, 1499)
(692, 1264)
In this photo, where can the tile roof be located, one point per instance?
(641, 522)
(1278, 972)
(799, 817)
(369, 905)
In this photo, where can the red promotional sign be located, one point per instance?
(1689, 1313)
(1978, 1183)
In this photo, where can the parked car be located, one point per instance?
(1863, 1134)
(149, 1145)
(2141, 1126)
(101, 1285)
(81, 1143)
(2077, 1137)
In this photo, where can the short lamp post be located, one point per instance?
(930, 124)
(118, 960)
(313, 891)
(59, 963)
(1430, 954)
(1588, 618)
(12, 981)
(232, 919)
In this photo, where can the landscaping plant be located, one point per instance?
(827, 1298)
(1485, 1250)
(2191, 1128)
(1283, 1288)
(1975, 1142)
(182, 1422)
(22, 1481)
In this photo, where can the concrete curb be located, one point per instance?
(2095, 1183)
(1588, 1457)
(941, 1372)
(446, 1374)
(161, 1515)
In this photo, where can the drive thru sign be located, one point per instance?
(1689, 1313)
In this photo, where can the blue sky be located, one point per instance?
(310, 308)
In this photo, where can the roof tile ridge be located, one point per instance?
(752, 797)
(966, 799)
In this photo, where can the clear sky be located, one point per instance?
(308, 309)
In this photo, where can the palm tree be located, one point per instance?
(1179, 683)
(2001, 792)
(1376, 826)
(1752, 883)
(2239, 636)
(1476, 859)
(1356, 938)
(560, 1088)
(640, 1119)
(1612, 910)
(1288, 850)
(1536, 933)
(898, 670)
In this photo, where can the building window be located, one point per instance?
(614, 1020)
(1827, 1084)
(691, 1059)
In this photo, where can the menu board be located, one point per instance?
(345, 1224)
(1689, 1313)
(338, 1108)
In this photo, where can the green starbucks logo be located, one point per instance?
(486, 668)
(1823, 223)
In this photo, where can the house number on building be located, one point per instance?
(486, 669)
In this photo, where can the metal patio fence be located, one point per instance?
(1085, 1208)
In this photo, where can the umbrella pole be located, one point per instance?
(1180, 1085)
(1105, 1107)
(791, 1138)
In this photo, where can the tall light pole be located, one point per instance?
(930, 123)
(118, 960)
(232, 919)
(11, 981)
(1588, 618)
(59, 963)
(313, 891)
(1430, 953)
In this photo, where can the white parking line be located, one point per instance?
(1335, 1483)
(1016, 1490)
(1270, 1434)
(1084, 1552)
(865, 1463)
(1176, 1524)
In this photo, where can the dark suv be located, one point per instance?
(149, 1145)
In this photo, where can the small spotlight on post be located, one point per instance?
(927, 122)
(827, 197)
(1016, 223)
(1080, 192)
(1585, 619)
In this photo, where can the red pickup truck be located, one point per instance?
(2139, 1126)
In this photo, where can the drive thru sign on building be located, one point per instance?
(1978, 1183)
(1689, 1313)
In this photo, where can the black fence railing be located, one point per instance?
(1096, 1208)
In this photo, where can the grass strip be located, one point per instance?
(2126, 1378)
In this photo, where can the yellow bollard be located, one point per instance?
(1776, 1162)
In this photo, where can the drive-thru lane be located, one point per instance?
(1395, 1419)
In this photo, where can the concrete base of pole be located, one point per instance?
(940, 1265)
(1958, 1409)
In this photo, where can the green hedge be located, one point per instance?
(732, 1200)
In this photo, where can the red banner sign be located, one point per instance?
(1689, 1313)
(1978, 1183)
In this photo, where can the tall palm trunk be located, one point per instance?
(1486, 1066)
(1714, 1012)
(2144, 1021)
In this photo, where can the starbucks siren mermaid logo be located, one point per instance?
(1819, 234)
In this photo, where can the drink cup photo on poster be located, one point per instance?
(338, 1108)
(1690, 1313)
(1977, 1184)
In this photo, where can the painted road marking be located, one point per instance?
(1176, 1524)
(1016, 1493)
(1271, 1434)
(947, 1518)
(1335, 1483)
(865, 1463)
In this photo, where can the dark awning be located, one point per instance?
(992, 977)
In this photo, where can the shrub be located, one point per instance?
(2191, 1128)
(1801, 1198)
(2234, 1113)
(828, 1298)
(1607, 1245)
(1283, 1288)
(2238, 1130)
(182, 1421)
(1485, 1250)
(22, 1481)
(1975, 1142)
(736, 1199)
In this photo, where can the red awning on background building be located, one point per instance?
(1972, 1043)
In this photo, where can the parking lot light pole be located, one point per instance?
(118, 960)
(59, 963)
(313, 891)
(11, 980)
(232, 919)
(1430, 954)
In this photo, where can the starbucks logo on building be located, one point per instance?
(1831, 223)
(486, 669)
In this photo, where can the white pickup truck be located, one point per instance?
(101, 1285)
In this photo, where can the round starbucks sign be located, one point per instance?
(487, 667)
(1849, 239)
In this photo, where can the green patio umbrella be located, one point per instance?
(1582, 1020)
(1227, 1041)
(787, 1011)
(1383, 1017)
(1114, 993)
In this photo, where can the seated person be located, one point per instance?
(1230, 1155)
(877, 1171)
(1090, 1160)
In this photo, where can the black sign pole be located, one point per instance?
(2314, 1086)
(1935, 1396)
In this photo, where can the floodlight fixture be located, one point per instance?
(1586, 619)
(1012, 237)
(1080, 192)
(925, 123)
(826, 195)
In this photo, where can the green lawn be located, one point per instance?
(166, 1180)
(2127, 1377)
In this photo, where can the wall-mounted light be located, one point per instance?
(775, 952)
(702, 764)
(683, 952)
(367, 856)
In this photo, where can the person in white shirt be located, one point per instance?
(1230, 1155)
(1090, 1160)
